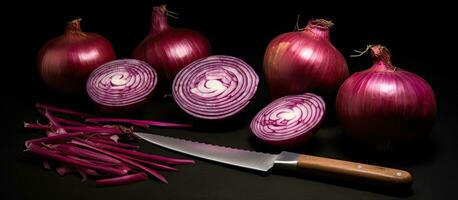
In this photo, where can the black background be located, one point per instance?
(420, 36)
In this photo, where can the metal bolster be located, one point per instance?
(286, 160)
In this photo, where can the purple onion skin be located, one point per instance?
(65, 62)
(35, 148)
(43, 107)
(304, 61)
(385, 105)
(169, 49)
(122, 180)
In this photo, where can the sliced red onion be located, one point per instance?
(141, 155)
(120, 157)
(142, 123)
(69, 122)
(290, 120)
(41, 107)
(121, 84)
(215, 87)
(46, 164)
(84, 153)
(64, 170)
(56, 156)
(53, 139)
(121, 180)
(84, 175)
(88, 171)
(95, 150)
(153, 164)
(113, 143)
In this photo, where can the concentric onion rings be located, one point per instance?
(121, 83)
(215, 87)
(290, 120)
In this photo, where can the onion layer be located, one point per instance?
(304, 61)
(215, 87)
(121, 84)
(385, 104)
(170, 49)
(289, 120)
(65, 62)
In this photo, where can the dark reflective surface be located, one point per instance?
(419, 42)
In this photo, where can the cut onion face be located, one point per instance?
(216, 87)
(289, 121)
(121, 84)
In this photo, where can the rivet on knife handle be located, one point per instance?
(346, 169)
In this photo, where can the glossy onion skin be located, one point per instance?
(170, 49)
(289, 121)
(386, 105)
(304, 61)
(216, 87)
(65, 62)
(121, 85)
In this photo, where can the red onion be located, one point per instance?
(215, 87)
(169, 49)
(136, 122)
(121, 85)
(304, 61)
(35, 148)
(88, 145)
(385, 104)
(141, 176)
(42, 107)
(95, 152)
(65, 62)
(290, 120)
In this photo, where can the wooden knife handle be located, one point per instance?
(340, 168)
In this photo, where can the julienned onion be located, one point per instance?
(94, 150)
(216, 87)
(122, 84)
(170, 49)
(304, 61)
(385, 104)
(290, 120)
(65, 62)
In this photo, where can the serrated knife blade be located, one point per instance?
(242, 158)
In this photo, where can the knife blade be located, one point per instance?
(283, 161)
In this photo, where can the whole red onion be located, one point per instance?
(65, 62)
(169, 49)
(384, 104)
(304, 61)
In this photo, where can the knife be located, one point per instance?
(283, 161)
